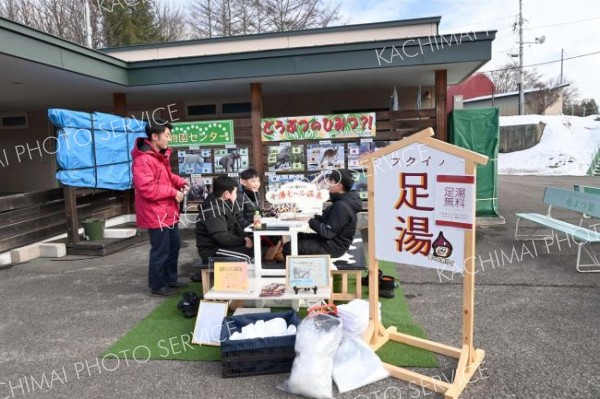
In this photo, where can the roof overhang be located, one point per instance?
(40, 70)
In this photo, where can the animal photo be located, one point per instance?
(286, 158)
(325, 156)
(231, 160)
(195, 161)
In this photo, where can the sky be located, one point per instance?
(569, 25)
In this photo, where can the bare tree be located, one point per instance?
(507, 76)
(286, 15)
(213, 18)
(171, 21)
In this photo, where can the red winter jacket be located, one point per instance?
(155, 187)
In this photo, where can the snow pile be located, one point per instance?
(567, 147)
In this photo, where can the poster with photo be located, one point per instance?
(356, 150)
(275, 181)
(325, 156)
(200, 187)
(195, 161)
(360, 184)
(286, 158)
(231, 160)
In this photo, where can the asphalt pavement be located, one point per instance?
(536, 317)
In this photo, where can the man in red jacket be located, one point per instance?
(158, 193)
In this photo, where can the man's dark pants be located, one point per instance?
(164, 254)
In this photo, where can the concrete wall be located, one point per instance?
(520, 137)
(27, 162)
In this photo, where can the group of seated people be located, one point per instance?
(227, 211)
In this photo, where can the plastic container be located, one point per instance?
(271, 355)
(93, 229)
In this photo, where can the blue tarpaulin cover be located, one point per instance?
(94, 149)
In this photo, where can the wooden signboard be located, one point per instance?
(208, 323)
(425, 218)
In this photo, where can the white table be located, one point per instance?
(276, 227)
(256, 284)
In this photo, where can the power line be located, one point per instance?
(564, 23)
(543, 63)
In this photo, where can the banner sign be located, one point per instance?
(420, 212)
(318, 127)
(203, 133)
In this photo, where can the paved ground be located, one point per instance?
(536, 318)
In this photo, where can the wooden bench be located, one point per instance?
(345, 269)
(579, 202)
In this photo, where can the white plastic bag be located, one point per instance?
(356, 365)
(317, 339)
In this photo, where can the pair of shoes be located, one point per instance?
(177, 284)
(189, 304)
(365, 280)
(387, 285)
(164, 292)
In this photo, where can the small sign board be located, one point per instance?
(207, 330)
(203, 133)
(308, 271)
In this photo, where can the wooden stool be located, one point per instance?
(344, 295)
(205, 273)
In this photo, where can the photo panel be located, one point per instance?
(356, 150)
(325, 156)
(360, 184)
(275, 181)
(195, 161)
(200, 187)
(231, 160)
(286, 158)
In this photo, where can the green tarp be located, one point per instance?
(478, 130)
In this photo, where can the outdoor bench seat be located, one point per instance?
(580, 202)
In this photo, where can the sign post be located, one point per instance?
(426, 218)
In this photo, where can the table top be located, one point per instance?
(256, 285)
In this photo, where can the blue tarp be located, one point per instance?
(94, 149)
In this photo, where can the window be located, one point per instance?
(235, 108)
(202, 110)
(13, 121)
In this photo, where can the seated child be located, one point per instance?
(336, 227)
(217, 229)
(248, 200)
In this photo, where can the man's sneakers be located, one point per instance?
(177, 284)
(164, 292)
(169, 290)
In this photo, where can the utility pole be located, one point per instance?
(88, 24)
(562, 52)
(521, 89)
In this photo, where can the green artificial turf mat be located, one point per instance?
(166, 335)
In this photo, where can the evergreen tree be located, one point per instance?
(126, 25)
